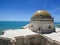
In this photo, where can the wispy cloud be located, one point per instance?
(45, 3)
(56, 13)
(58, 8)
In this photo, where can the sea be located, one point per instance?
(7, 25)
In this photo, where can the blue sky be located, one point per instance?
(22, 10)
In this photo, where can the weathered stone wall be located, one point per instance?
(5, 42)
(38, 39)
(19, 40)
(42, 26)
(32, 39)
(47, 41)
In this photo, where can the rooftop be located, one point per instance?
(18, 32)
(24, 32)
(54, 36)
(42, 14)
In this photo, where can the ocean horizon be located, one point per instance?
(7, 25)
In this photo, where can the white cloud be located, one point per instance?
(45, 3)
(57, 18)
(56, 13)
(56, 9)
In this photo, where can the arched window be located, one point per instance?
(49, 27)
(32, 40)
(39, 29)
(31, 25)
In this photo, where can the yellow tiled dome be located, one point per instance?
(42, 14)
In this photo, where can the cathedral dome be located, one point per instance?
(42, 14)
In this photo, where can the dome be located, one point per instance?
(42, 14)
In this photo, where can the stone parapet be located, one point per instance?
(47, 41)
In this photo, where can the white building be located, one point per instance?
(42, 22)
(20, 37)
